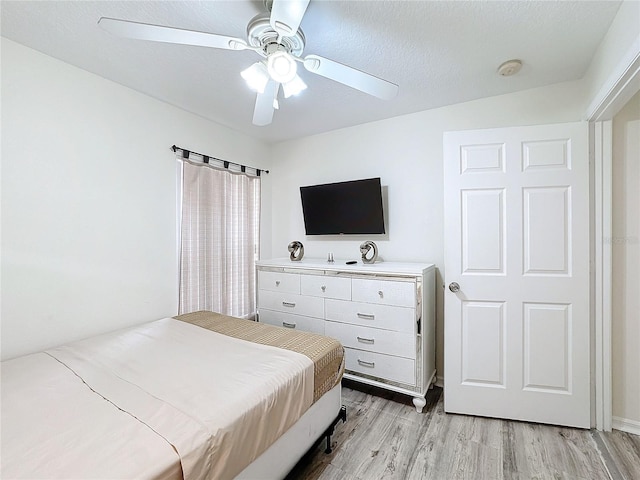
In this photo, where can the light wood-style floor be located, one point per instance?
(385, 438)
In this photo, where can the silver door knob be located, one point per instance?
(454, 287)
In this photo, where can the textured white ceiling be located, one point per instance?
(439, 53)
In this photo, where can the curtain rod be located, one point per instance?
(207, 158)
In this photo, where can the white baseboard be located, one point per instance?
(626, 425)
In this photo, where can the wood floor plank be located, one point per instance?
(385, 438)
(386, 434)
(544, 451)
(462, 456)
(334, 473)
(623, 450)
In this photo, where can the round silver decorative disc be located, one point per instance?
(365, 248)
(296, 251)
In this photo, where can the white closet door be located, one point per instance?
(517, 245)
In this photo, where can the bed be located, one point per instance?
(196, 396)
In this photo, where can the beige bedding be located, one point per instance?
(54, 427)
(217, 401)
(327, 354)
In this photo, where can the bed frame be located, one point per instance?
(55, 367)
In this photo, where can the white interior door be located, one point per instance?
(517, 245)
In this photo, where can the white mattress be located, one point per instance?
(217, 401)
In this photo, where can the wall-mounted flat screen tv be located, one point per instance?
(344, 208)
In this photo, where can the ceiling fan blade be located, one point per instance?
(157, 33)
(351, 77)
(286, 16)
(263, 112)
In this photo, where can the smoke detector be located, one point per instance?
(510, 67)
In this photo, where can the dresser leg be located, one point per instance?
(419, 403)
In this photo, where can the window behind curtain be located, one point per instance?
(220, 233)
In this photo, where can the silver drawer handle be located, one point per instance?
(277, 283)
(288, 325)
(380, 293)
(367, 316)
(323, 288)
(365, 340)
(366, 364)
(288, 304)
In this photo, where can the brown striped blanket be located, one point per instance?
(327, 354)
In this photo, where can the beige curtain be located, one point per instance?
(220, 231)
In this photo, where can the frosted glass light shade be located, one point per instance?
(293, 87)
(256, 77)
(281, 67)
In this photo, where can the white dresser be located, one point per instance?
(383, 314)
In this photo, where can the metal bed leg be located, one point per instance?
(341, 416)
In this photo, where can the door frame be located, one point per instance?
(622, 84)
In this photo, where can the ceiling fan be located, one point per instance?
(278, 39)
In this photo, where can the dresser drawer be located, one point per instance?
(400, 319)
(326, 286)
(396, 369)
(279, 282)
(373, 339)
(288, 320)
(387, 292)
(291, 303)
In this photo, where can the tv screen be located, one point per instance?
(348, 208)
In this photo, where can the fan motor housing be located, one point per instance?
(261, 34)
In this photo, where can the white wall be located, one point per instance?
(626, 264)
(406, 153)
(89, 200)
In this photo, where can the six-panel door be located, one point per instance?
(517, 244)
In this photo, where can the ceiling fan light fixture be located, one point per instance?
(281, 66)
(256, 77)
(293, 87)
(276, 36)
